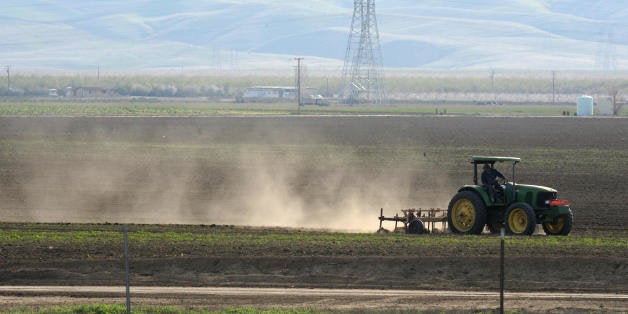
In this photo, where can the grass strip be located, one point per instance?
(153, 241)
(120, 309)
(176, 108)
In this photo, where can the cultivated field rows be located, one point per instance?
(302, 171)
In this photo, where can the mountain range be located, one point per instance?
(252, 35)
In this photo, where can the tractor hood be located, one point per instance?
(535, 187)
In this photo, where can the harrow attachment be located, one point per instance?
(415, 221)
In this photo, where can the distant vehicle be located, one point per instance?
(53, 92)
(317, 100)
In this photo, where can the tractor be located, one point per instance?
(517, 207)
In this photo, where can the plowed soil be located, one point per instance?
(317, 172)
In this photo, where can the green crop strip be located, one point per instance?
(218, 241)
(172, 108)
(120, 309)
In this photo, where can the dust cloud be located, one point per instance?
(210, 172)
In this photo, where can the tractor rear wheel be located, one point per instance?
(415, 227)
(562, 226)
(520, 219)
(466, 213)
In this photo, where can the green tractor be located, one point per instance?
(517, 207)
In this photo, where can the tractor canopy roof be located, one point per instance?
(492, 159)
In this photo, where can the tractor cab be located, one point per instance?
(503, 191)
(517, 207)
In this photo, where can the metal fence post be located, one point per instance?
(501, 273)
(126, 270)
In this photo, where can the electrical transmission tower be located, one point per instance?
(362, 74)
(606, 57)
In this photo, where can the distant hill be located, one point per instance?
(262, 34)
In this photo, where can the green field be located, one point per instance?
(410, 93)
(208, 108)
(91, 240)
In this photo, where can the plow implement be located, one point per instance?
(415, 221)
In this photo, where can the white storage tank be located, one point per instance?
(605, 105)
(584, 105)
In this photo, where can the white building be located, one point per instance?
(269, 93)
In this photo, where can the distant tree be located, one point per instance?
(615, 96)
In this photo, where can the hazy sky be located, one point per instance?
(253, 34)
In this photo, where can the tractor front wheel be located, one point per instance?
(520, 219)
(466, 213)
(560, 226)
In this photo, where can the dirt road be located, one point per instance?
(332, 299)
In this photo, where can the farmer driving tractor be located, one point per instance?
(495, 204)
(489, 180)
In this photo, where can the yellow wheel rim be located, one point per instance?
(518, 220)
(463, 215)
(557, 227)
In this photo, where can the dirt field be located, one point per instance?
(314, 172)
(318, 172)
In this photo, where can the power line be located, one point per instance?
(298, 87)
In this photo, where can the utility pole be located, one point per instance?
(493, 85)
(553, 87)
(501, 271)
(327, 87)
(126, 268)
(8, 69)
(299, 82)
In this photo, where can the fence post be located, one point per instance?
(126, 270)
(501, 273)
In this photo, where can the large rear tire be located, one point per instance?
(520, 219)
(561, 227)
(466, 213)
